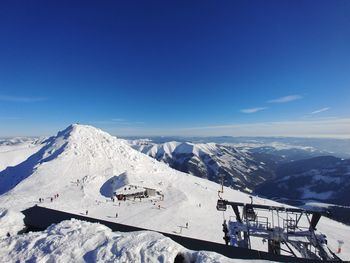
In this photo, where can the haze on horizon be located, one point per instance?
(209, 68)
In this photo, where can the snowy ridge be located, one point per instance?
(79, 161)
(209, 160)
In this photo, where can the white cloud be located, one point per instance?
(330, 127)
(21, 99)
(253, 110)
(286, 99)
(320, 110)
(327, 128)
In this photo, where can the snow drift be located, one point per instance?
(11, 222)
(79, 241)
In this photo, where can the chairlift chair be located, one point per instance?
(249, 213)
(221, 205)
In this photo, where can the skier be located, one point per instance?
(86, 212)
(187, 225)
(116, 215)
(51, 199)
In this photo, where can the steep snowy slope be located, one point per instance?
(85, 165)
(209, 160)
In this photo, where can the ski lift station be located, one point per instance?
(284, 230)
(121, 187)
(135, 191)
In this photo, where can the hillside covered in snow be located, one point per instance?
(211, 161)
(242, 163)
(82, 168)
(15, 150)
(323, 178)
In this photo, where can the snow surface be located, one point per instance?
(207, 160)
(78, 161)
(16, 151)
(11, 222)
(79, 241)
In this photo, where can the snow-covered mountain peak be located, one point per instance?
(79, 134)
(75, 153)
(87, 141)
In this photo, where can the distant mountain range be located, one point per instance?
(328, 146)
(242, 165)
(324, 178)
(211, 161)
(294, 174)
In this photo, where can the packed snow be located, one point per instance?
(69, 171)
(11, 222)
(79, 241)
(15, 151)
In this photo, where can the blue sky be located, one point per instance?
(176, 67)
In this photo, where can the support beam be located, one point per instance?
(235, 209)
(314, 220)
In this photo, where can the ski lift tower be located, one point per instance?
(287, 230)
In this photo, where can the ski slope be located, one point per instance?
(80, 161)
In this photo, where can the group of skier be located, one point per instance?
(51, 198)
